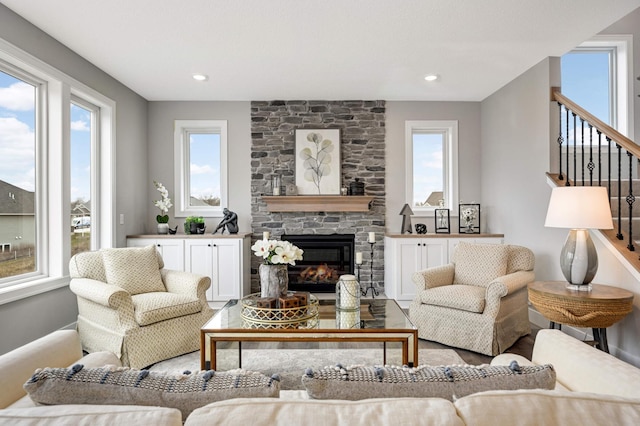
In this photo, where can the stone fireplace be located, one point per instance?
(362, 152)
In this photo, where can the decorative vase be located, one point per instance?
(163, 228)
(274, 280)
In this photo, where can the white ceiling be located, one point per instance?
(321, 49)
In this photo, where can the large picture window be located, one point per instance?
(18, 190)
(56, 179)
(432, 158)
(201, 167)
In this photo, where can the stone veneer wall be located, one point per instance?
(362, 125)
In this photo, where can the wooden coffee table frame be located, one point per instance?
(209, 339)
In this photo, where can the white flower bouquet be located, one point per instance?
(468, 215)
(276, 252)
(164, 203)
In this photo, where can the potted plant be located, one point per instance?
(194, 225)
(164, 203)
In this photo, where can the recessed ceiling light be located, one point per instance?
(431, 77)
(200, 77)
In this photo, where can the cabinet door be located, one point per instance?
(408, 259)
(140, 242)
(199, 260)
(226, 270)
(172, 251)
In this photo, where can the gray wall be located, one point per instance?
(160, 157)
(26, 319)
(517, 135)
(468, 116)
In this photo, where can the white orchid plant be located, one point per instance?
(164, 203)
(276, 252)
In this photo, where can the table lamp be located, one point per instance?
(579, 208)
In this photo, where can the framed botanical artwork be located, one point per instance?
(442, 219)
(469, 215)
(318, 161)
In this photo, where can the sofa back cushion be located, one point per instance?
(135, 269)
(544, 407)
(268, 412)
(479, 264)
(110, 385)
(448, 382)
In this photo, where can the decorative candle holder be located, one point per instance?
(374, 291)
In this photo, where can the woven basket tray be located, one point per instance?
(294, 317)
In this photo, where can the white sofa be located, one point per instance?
(592, 388)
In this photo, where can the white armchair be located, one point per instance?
(129, 305)
(479, 301)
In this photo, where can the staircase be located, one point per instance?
(592, 153)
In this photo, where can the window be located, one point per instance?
(432, 163)
(18, 191)
(596, 75)
(201, 167)
(83, 130)
(55, 144)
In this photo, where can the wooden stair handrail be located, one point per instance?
(605, 129)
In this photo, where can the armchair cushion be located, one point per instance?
(479, 264)
(159, 306)
(135, 269)
(464, 297)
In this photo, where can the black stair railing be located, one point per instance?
(570, 166)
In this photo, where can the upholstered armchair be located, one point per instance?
(479, 301)
(129, 305)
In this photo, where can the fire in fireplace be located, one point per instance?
(325, 259)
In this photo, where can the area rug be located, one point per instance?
(290, 364)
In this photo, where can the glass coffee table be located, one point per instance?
(377, 320)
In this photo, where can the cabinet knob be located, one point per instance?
(208, 245)
(159, 245)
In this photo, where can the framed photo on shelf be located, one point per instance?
(443, 221)
(469, 218)
(317, 158)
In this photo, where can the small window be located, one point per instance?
(432, 148)
(201, 167)
(597, 75)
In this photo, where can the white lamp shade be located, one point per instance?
(579, 207)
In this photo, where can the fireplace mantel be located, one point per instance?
(318, 203)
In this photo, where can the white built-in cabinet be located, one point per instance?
(406, 254)
(171, 250)
(225, 259)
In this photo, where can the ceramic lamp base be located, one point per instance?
(578, 258)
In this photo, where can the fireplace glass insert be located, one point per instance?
(325, 259)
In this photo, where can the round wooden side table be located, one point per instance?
(597, 309)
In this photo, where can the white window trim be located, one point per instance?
(53, 207)
(623, 85)
(182, 128)
(450, 162)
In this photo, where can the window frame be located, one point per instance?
(182, 130)
(52, 173)
(449, 129)
(621, 84)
